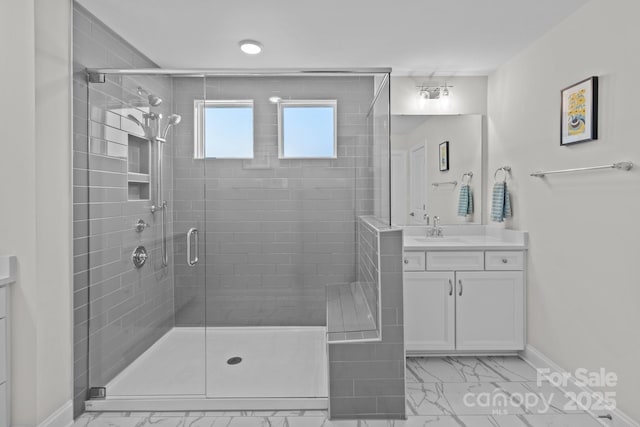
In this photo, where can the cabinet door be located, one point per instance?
(490, 310)
(429, 311)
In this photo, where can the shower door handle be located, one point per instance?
(192, 232)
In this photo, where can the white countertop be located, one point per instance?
(465, 237)
(7, 270)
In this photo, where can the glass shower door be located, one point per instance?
(144, 192)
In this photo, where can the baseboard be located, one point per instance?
(538, 360)
(61, 417)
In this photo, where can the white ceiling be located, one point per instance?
(414, 37)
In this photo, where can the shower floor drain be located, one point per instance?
(234, 360)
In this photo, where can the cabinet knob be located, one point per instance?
(406, 261)
(504, 260)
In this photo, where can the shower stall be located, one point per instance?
(213, 209)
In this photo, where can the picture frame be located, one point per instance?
(444, 156)
(579, 112)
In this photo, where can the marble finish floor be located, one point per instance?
(441, 392)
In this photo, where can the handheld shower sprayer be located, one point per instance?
(174, 119)
(153, 100)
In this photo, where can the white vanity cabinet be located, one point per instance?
(489, 310)
(429, 311)
(464, 301)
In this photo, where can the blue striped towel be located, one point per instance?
(501, 203)
(465, 203)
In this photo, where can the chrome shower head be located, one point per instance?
(174, 119)
(154, 100)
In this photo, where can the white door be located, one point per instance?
(399, 191)
(429, 311)
(490, 310)
(417, 185)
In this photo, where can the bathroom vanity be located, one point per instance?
(464, 292)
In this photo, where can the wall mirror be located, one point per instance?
(419, 187)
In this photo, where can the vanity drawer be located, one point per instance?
(506, 260)
(454, 260)
(414, 261)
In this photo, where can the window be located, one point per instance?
(307, 129)
(224, 129)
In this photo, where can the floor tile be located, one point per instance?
(566, 420)
(427, 399)
(445, 421)
(541, 398)
(306, 421)
(108, 421)
(156, 420)
(511, 368)
(449, 369)
(191, 421)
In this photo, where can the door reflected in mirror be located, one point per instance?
(419, 189)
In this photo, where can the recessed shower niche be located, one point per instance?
(138, 168)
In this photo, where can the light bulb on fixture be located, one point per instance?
(250, 47)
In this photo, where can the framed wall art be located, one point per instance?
(579, 112)
(444, 156)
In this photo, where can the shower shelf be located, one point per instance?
(138, 162)
(138, 177)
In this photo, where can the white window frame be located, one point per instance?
(333, 103)
(199, 107)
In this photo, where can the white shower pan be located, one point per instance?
(281, 368)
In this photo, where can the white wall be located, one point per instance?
(468, 95)
(35, 219)
(583, 278)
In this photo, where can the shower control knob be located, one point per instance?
(141, 225)
(139, 256)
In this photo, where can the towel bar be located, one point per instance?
(624, 166)
(438, 184)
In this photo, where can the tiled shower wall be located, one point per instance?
(277, 231)
(129, 309)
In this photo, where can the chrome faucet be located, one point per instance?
(436, 230)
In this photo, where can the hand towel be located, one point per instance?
(501, 203)
(465, 203)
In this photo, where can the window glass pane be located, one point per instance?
(308, 131)
(228, 131)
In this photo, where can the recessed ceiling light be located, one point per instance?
(275, 99)
(250, 47)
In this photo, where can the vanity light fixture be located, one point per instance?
(250, 47)
(433, 92)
